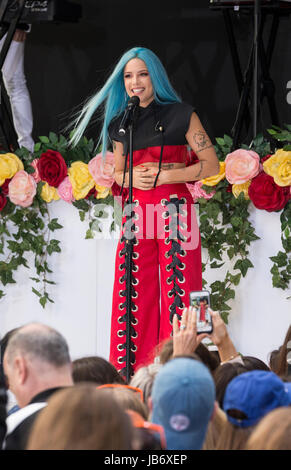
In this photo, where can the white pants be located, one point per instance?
(15, 84)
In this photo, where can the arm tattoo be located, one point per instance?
(208, 147)
(201, 140)
(201, 168)
(167, 166)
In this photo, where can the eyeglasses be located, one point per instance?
(138, 422)
(129, 387)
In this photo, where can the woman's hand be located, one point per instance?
(185, 338)
(144, 177)
(19, 35)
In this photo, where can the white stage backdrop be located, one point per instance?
(84, 272)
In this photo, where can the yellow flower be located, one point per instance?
(10, 164)
(241, 188)
(49, 193)
(213, 180)
(81, 179)
(279, 166)
(102, 191)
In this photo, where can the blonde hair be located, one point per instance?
(81, 418)
(273, 432)
(214, 429)
(144, 379)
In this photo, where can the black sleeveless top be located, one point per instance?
(173, 118)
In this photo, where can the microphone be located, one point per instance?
(128, 114)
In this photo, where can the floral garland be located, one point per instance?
(54, 171)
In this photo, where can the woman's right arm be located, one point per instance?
(142, 177)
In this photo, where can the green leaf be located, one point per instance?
(36, 292)
(54, 225)
(44, 139)
(243, 265)
(89, 234)
(43, 300)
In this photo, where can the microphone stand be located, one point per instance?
(129, 250)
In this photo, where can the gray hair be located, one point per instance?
(144, 379)
(41, 342)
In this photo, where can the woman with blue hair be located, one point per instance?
(166, 246)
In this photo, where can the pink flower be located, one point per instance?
(22, 189)
(35, 175)
(197, 191)
(241, 166)
(65, 190)
(102, 170)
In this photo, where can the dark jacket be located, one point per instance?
(17, 439)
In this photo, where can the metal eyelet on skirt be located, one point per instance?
(182, 280)
(165, 215)
(119, 320)
(167, 255)
(183, 293)
(135, 255)
(168, 267)
(120, 360)
(121, 280)
(134, 321)
(135, 308)
(120, 347)
(134, 335)
(135, 268)
(120, 333)
(136, 202)
(120, 254)
(169, 281)
(170, 294)
(133, 348)
(121, 306)
(133, 362)
(136, 230)
(136, 242)
(184, 200)
(121, 293)
(167, 241)
(135, 282)
(121, 267)
(183, 267)
(183, 253)
(135, 295)
(164, 202)
(167, 228)
(183, 306)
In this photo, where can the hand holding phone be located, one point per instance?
(201, 301)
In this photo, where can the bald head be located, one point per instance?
(40, 342)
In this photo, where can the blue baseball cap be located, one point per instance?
(255, 394)
(183, 399)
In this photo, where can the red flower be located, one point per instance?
(52, 168)
(229, 188)
(3, 201)
(4, 187)
(266, 194)
(92, 192)
(265, 158)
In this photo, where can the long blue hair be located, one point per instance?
(115, 97)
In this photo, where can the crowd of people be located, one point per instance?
(189, 398)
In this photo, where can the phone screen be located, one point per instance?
(201, 301)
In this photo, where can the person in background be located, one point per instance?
(16, 87)
(36, 363)
(183, 402)
(273, 432)
(248, 398)
(144, 379)
(95, 369)
(81, 418)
